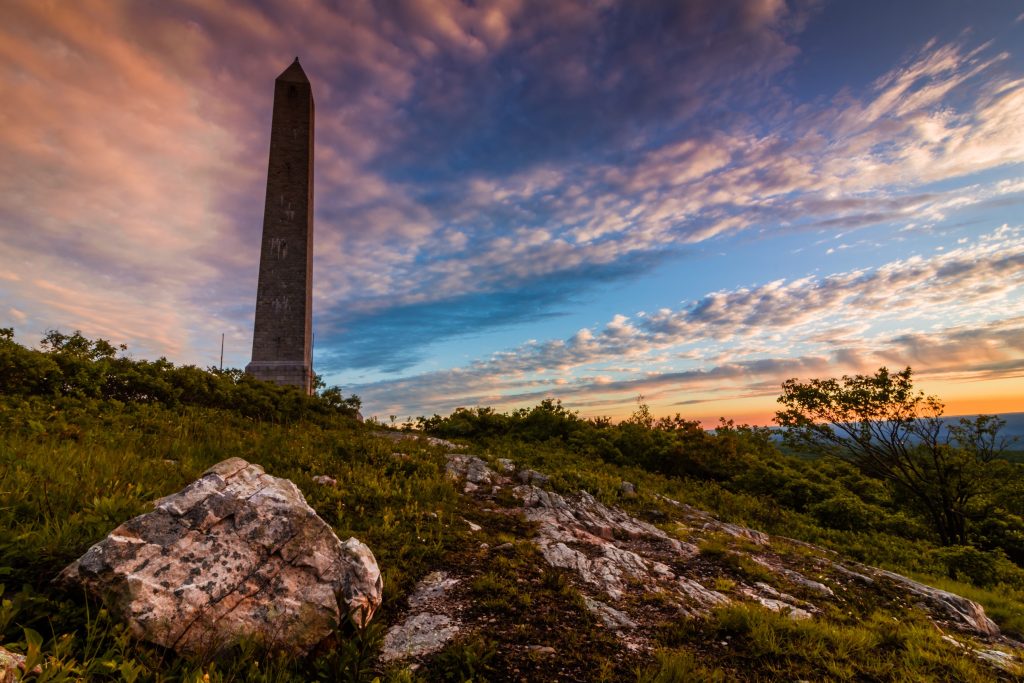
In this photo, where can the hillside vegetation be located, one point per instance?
(89, 439)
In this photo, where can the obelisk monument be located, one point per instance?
(283, 329)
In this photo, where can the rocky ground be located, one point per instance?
(554, 577)
(543, 584)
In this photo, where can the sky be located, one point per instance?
(676, 203)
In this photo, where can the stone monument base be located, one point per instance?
(282, 372)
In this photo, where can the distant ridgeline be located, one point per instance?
(1012, 430)
(74, 366)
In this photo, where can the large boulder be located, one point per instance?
(236, 554)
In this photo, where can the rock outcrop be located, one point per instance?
(237, 554)
(633, 576)
(949, 608)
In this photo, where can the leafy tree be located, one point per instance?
(892, 432)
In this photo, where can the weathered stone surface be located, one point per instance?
(237, 553)
(698, 596)
(585, 513)
(532, 477)
(737, 531)
(420, 634)
(12, 666)
(581, 534)
(612, 618)
(432, 619)
(955, 609)
(397, 437)
(793, 576)
(433, 587)
(325, 480)
(1003, 660)
(614, 555)
(777, 601)
(472, 469)
(849, 573)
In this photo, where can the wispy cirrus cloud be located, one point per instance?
(485, 165)
(860, 161)
(774, 331)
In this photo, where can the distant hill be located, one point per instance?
(1014, 427)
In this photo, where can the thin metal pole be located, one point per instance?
(222, 351)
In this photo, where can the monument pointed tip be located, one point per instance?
(294, 73)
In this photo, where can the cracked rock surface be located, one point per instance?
(237, 553)
(633, 576)
(428, 628)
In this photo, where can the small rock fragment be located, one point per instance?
(471, 468)
(533, 477)
(1003, 660)
(420, 634)
(612, 618)
(432, 587)
(737, 531)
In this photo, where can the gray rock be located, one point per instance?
(793, 576)
(612, 618)
(533, 477)
(698, 596)
(420, 634)
(1003, 660)
(506, 466)
(777, 601)
(608, 571)
(325, 480)
(416, 436)
(566, 524)
(443, 443)
(434, 587)
(585, 513)
(737, 531)
(237, 553)
(627, 489)
(851, 574)
(472, 469)
(957, 610)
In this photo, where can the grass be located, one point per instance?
(65, 483)
(71, 470)
(1002, 603)
(753, 644)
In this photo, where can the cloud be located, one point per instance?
(478, 165)
(832, 324)
(379, 338)
(852, 164)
